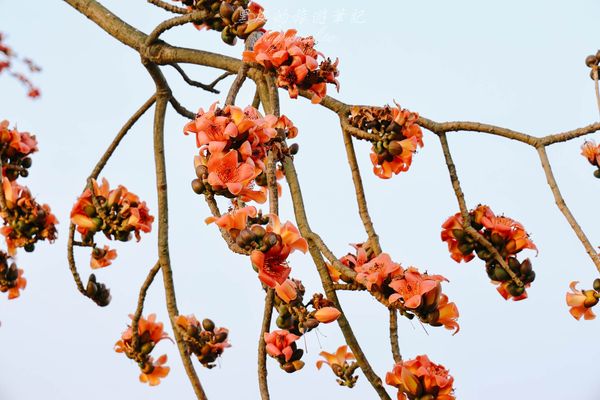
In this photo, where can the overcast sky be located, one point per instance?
(512, 63)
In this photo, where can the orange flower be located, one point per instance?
(280, 343)
(376, 271)
(447, 314)
(289, 234)
(287, 291)
(11, 278)
(581, 303)
(450, 228)
(149, 331)
(156, 371)
(235, 219)
(272, 266)
(226, 172)
(339, 358)
(421, 378)
(102, 257)
(415, 289)
(591, 151)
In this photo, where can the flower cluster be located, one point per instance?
(421, 379)
(233, 18)
(269, 246)
(413, 292)
(295, 62)
(17, 147)
(11, 277)
(117, 213)
(233, 145)
(203, 339)
(7, 56)
(294, 315)
(281, 346)
(25, 220)
(149, 333)
(581, 302)
(506, 235)
(398, 136)
(338, 362)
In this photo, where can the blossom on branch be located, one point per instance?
(581, 302)
(11, 277)
(421, 379)
(338, 362)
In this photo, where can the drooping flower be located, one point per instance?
(154, 371)
(591, 151)
(12, 280)
(279, 343)
(338, 363)
(236, 219)
(203, 339)
(420, 378)
(416, 289)
(581, 303)
(102, 257)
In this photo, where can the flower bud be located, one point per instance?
(12, 273)
(591, 60)
(310, 324)
(228, 37)
(395, 148)
(208, 325)
(590, 299)
(500, 274)
(465, 248)
(221, 336)
(201, 171)
(270, 239)
(198, 186)
(237, 14)
(294, 148)
(514, 264)
(258, 231)
(327, 314)
(597, 285)
(147, 348)
(226, 10)
(515, 290)
(26, 162)
(597, 173)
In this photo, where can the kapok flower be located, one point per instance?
(454, 235)
(420, 378)
(281, 345)
(154, 371)
(16, 147)
(581, 303)
(226, 172)
(287, 291)
(591, 151)
(446, 315)
(338, 363)
(376, 271)
(102, 257)
(236, 219)
(416, 289)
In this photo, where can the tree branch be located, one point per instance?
(140, 304)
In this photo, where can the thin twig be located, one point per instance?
(214, 209)
(237, 84)
(595, 75)
(195, 16)
(72, 264)
(394, 336)
(181, 110)
(562, 206)
(140, 304)
(163, 93)
(262, 351)
(256, 99)
(354, 287)
(460, 197)
(191, 82)
(169, 7)
(361, 199)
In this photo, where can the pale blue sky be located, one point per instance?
(512, 63)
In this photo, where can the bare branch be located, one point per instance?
(262, 351)
(181, 110)
(562, 206)
(191, 82)
(140, 305)
(394, 336)
(169, 7)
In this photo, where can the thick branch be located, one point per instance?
(163, 94)
(562, 206)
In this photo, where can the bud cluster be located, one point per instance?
(581, 302)
(294, 315)
(506, 235)
(281, 345)
(16, 150)
(233, 18)
(421, 379)
(294, 61)
(269, 246)
(398, 136)
(413, 293)
(338, 363)
(11, 277)
(97, 291)
(149, 334)
(233, 145)
(203, 339)
(592, 61)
